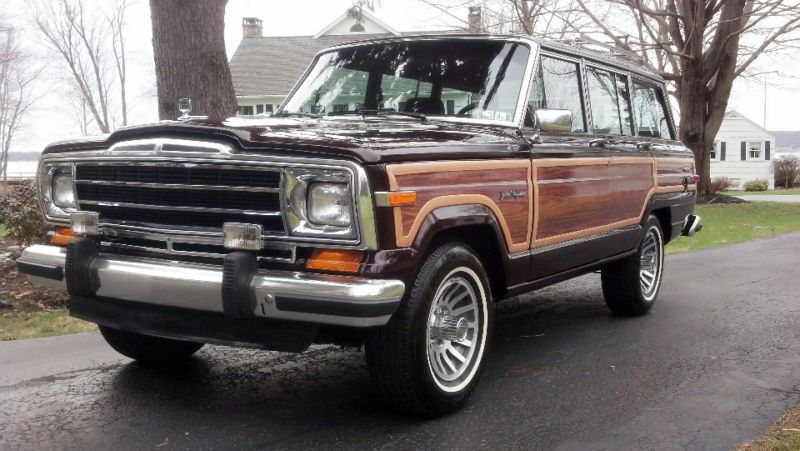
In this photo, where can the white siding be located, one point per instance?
(734, 130)
(743, 171)
(343, 27)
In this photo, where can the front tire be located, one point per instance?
(631, 285)
(428, 359)
(147, 348)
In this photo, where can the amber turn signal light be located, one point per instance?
(334, 260)
(62, 236)
(395, 199)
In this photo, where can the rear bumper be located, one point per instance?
(276, 295)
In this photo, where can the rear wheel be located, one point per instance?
(630, 285)
(429, 357)
(147, 348)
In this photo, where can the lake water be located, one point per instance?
(21, 169)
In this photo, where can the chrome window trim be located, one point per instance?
(362, 193)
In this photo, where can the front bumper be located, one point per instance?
(276, 295)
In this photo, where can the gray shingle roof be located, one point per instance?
(271, 65)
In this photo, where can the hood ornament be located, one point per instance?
(184, 106)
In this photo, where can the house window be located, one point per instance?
(451, 107)
(259, 109)
(268, 108)
(246, 110)
(754, 150)
(713, 151)
(339, 107)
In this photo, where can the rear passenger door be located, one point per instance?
(588, 197)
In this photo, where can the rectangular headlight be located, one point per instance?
(330, 204)
(63, 190)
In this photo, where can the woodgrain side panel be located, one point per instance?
(459, 183)
(575, 201)
(671, 173)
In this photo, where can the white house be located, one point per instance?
(742, 151)
(265, 68)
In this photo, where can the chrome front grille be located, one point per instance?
(202, 196)
(177, 209)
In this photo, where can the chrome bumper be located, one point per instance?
(281, 295)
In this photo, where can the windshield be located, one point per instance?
(478, 79)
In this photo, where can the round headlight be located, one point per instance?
(63, 191)
(330, 204)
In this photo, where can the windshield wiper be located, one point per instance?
(419, 116)
(295, 113)
(380, 113)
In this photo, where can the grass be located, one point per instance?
(786, 192)
(734, 223)
(3, 230)
(21, 325)
(783, 435)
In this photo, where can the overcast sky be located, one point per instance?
(52, 119)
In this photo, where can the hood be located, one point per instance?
(365, 140)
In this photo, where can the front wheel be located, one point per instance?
(147, 348)
(630, 285)
(429, 357)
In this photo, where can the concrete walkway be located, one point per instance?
(785, 198)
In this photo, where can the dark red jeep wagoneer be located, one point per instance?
(404, 187)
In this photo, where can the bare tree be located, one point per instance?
(531, 17)
(16, 91)
(90, 45)
(700, 46)
(189, 52)
(787, 171)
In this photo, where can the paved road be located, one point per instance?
(713, 364)
(785, 198)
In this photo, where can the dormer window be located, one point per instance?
(357, 28)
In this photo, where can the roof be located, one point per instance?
(271, 65)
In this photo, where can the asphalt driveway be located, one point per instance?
(713, 364)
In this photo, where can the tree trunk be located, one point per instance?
(189, 52)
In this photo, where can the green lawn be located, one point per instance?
(733, 223)
(3, 230)
(20, 325)
(793, 191)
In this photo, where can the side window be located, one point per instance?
(602, 86)
(649, 111)
(557, 86)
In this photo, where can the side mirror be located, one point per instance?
(559, 121)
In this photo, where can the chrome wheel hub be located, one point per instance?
(650, 260)
(455, 331)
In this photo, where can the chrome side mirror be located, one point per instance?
(559, 121)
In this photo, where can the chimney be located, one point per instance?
(251, 27)
(474, 19)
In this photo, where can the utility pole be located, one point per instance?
(764, 122)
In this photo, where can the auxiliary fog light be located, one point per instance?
(83, 222)
(241, 236)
